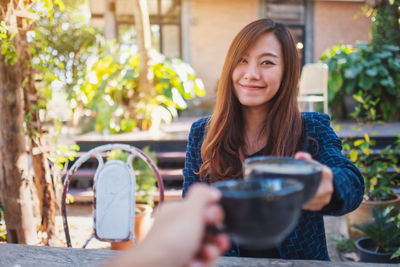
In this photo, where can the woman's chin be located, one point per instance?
(254, 104)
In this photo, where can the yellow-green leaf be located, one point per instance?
(366, 136)
(373, 181)
(353, 155)
(396, 168)
(358, 142)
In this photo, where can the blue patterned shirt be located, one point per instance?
(307, 240)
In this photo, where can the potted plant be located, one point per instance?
(379, 183)
(145, 184)
(364, 76)
(381, 243)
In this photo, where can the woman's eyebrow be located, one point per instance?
(268, 54)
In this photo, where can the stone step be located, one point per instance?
(166, 174)
(162, 157)
(86, 194)
(155, 145)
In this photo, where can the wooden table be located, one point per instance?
(15, 255)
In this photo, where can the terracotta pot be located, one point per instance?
(143, 222)
(363, 214)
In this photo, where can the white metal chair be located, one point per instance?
(114, 190)
(314, 85)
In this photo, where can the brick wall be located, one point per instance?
(214, 25)
(336, 21)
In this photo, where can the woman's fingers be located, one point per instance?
(303, 156)
(325, 189)
(324, 192)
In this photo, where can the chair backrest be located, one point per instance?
(314, 79)
(114, 193)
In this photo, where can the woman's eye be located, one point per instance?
(267, 62)
(242, 60)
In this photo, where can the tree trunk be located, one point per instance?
(143, 36)
(110, 26)
(15, 180)
(43, 181)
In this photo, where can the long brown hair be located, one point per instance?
(282, 128)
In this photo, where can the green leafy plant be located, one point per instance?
(343, 244)
(111, 94)
(3, 232)
(366, 110)
(7, 47)
(372, 70)
(384, 230)
(386, 26)
(374, 167)
(145, 179)
(63, 154)
(62, 48)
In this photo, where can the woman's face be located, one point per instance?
(257, 77)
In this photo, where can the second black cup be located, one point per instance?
(266, 167)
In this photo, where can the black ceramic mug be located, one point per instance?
(265, 167)
(260, 213)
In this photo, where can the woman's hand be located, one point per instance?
(325, 189)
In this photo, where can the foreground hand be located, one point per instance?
(180, 228)
(325, 189)
(178, 236)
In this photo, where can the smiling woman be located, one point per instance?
(256, 114)
(258, 75)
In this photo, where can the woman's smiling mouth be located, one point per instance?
(251, 87)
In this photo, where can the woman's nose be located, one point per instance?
(251, 72)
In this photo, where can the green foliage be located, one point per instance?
(384, 230)
(371, 73)
(64, 153)
(396, 254)
(101, 78)
(145, 179)
(3, 231)
(117, 104)
(1, 211)
(63, 45)
(386, 27)
(378, 182)
(343, 244)
(7, 47)
(367, 108)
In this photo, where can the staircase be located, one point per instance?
(170, 147)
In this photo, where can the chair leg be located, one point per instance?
(87, 241)
(326, 107)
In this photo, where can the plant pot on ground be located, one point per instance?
(143, 223)
(378, 181)
(382, 241)
(363, 214)
(366, 251)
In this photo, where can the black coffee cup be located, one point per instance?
(260, 213)
(307, 172)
